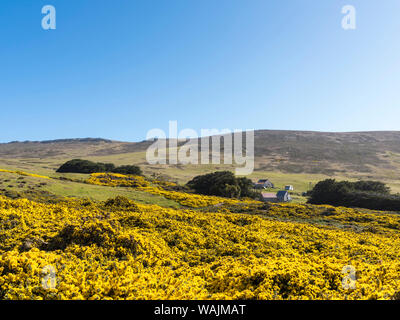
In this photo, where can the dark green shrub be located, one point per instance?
(86, 166)
(363, 194)
(128, 170)
(222, 183)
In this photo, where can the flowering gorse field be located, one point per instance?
(120, 249)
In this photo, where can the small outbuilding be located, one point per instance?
(263, 184)
(283, 196)
(289, 188)
(280, 196)
(268, 197)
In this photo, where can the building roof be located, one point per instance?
(268, 195)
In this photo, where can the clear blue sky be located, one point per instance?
(116, 69)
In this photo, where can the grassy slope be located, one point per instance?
(284, 157)
(300, 181)
(59, 188)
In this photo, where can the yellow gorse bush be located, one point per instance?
(22, 173)
(100, 251)
(156, 187)
(117, 180)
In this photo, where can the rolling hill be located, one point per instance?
(297, 157)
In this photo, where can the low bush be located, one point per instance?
(363, 194)
(86, 166)
(223, 184)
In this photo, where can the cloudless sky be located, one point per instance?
(116, 69)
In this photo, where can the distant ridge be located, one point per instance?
(75, 140)
(378, 134)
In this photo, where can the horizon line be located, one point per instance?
(144, 140)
